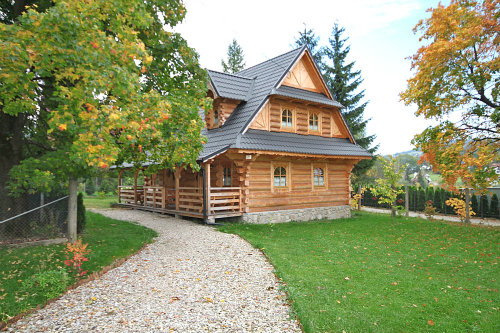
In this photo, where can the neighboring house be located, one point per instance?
(278, 149)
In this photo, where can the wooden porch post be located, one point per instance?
(207, 175)
(120, 185)
(135, 187)
(177, 175)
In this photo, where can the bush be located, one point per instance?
(494, 206)
(438, 203)
(485, 207)
(90, 186)
(474, 203)
(421, 199)
(80, 214)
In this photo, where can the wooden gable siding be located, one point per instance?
(303, 75)
(269, 118)
(300, 191)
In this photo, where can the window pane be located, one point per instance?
(321, 181)
(277, 181)
(316, 181)
(283, 181)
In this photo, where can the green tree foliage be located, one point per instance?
(494, 212)
(235, 58)
(106, 102)
(90, 186)
(388, 188)
(344, 83)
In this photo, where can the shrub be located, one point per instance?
(438, 203)
(429, 210)
(90, 187)
(474, 203)
(494, 206)
(80, 214)
(421, 199)
(485, 207)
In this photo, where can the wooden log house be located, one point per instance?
(278, 149)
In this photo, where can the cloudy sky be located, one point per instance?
(380, 36)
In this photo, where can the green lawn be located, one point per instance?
(97, 202)
(108, 240)
(368, 274)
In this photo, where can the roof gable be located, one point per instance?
(305, 75)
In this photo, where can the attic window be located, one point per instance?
(287, 119)
(313, 122)
(216, 117)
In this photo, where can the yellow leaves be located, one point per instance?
(62, 127)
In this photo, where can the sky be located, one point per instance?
(379, 34)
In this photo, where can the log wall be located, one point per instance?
(299, 192)
(330, 122)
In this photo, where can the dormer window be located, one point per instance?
(287, 119)
(216, 117)
(314, 122)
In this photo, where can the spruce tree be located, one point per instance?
(485, 207)
(344, 83)
(235, 58)
(437, 200)
(309, 38)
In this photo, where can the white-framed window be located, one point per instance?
(314, 122)
(287, 119)
(280, 177)
(318, 177)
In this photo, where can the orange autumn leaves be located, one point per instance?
(456, 83)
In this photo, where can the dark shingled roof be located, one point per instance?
(304, 95)
(231, 86)
(253, 86)
(297, 143)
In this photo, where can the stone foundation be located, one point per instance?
(303, 214)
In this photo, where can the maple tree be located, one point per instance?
(457, 82)
(106, 83)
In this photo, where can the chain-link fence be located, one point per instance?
(43, 218)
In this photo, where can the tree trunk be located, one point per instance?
(407, 201)
(11, 154)
(73, 187)
(467, 205)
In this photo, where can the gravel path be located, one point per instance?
(191, 279)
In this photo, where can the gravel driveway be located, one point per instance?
(191, 279)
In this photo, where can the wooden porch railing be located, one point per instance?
(222, 199)
(225, 200)
(191, 199)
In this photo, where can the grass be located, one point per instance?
(368, 274)
(108, 240)
(99, 202)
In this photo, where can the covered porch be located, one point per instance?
(182, 192)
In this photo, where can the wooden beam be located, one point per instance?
(207, 180)
(177, 175)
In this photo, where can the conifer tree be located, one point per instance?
(494, 212)
(235, 58)
(308, 37)
(344, 83)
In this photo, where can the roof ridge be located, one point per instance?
(228, 74)
(273, 58)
